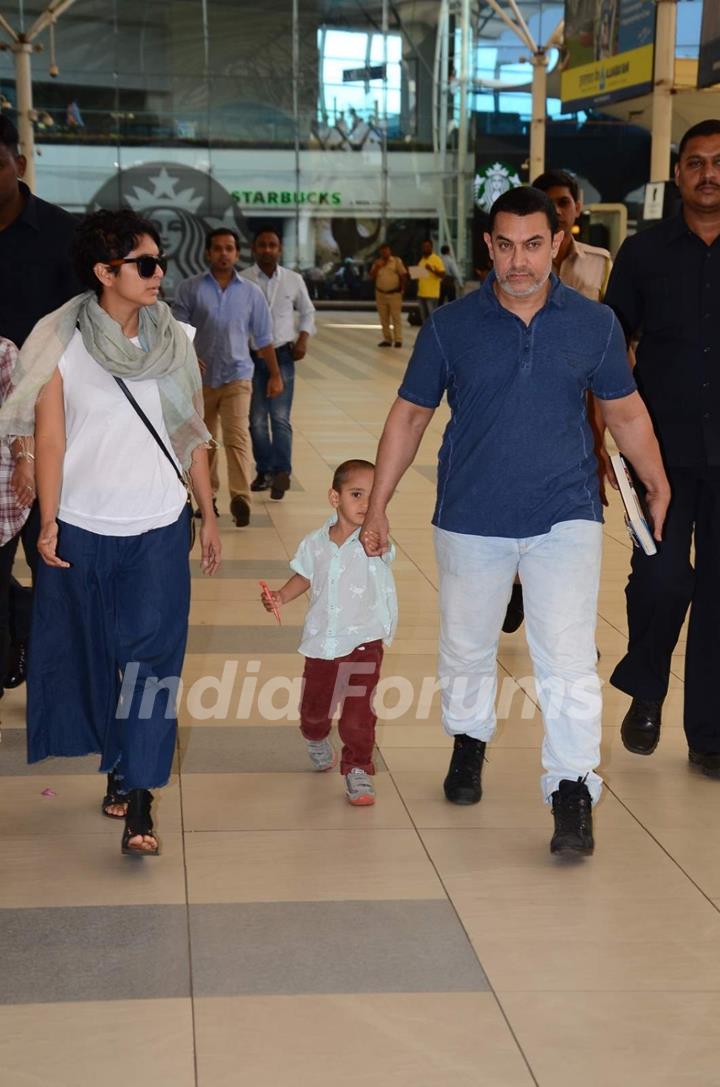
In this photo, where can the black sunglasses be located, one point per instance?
(145, 265)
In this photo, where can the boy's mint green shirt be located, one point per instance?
(352, 597)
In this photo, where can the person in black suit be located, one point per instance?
(36, 276)
(664, 288)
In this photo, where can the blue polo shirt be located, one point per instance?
(517, 455)
(225, 321)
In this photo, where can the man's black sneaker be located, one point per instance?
(385, 343)
(261, 482)
(515, 610)
(215, 510)
(240, 511)
(706, 761)
(572, 811)
(640, 729)
(280, 483)
(462, 784)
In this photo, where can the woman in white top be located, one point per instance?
(111, 611)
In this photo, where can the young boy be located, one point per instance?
(353, 611)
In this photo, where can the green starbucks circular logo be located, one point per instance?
(492, 182)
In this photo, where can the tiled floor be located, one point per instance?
(285, 937)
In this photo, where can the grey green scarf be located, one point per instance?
(169, 358)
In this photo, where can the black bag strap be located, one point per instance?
(151, 428)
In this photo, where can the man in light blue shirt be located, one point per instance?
(226, 311)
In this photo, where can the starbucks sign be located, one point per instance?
(285, 198)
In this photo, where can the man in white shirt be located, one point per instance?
(270, 427)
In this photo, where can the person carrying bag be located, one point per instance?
(111, 608)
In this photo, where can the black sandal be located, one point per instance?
(113, 797)
(138, 822)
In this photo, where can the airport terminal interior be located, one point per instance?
(283, 935)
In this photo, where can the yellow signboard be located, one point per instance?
(625, 71)
(608, 51)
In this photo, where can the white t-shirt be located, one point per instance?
(116, 479)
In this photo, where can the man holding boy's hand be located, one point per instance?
(517, 493)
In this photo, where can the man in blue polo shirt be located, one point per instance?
(226, 310)
(517, 492)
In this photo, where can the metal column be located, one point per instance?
(21, 44)
(539, 63)
(539, 60)
(462, 151)
(296, 119)
(23, 86)
(385, 180)
(663, 83)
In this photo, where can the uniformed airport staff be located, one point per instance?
(585, 267)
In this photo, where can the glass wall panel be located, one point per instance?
(337, 120)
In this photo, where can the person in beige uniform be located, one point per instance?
(584, 267)
(390, 276)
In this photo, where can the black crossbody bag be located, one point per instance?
(165, 450)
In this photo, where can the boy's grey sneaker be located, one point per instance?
(322, 754)
(359, 788)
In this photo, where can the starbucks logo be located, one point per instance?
(183, 204)
(492, 182)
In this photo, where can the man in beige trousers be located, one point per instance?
(390, 276)
(226, 311)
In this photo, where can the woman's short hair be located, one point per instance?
(104, 236)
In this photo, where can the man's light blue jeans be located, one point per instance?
(560, 574)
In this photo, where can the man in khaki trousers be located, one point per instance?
(390, 276)
(226, 311)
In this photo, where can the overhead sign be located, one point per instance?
(609, 51)
(283, 197)
(709, 55)
(357, 75)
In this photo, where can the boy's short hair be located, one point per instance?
(346, 469)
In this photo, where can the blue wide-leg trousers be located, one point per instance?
(107, 642)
